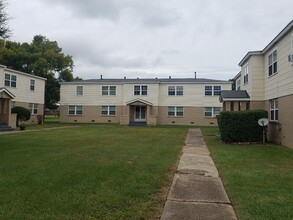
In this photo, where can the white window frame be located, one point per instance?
(108, 90)
(273, 62)
(274, 112)
(245, 73)
(79, 90)
(211, 112)
(212, 91)
(33, 107)
(175, 111)
(75, 110)
(175, 90)
(108, 110)
(10, 80)
(140, 90)
(32, 85)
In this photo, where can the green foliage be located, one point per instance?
(241, 126)
(5, 31)
(23, 114)
(43, 58)
(258, 178)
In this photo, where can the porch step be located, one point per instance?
(5, 127)
(137, 124)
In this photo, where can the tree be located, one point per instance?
(41, 57)
(5, 31)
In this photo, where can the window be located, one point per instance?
(175, 90)
(273, 64)
(79, 90)
(10, 80)
(212, 90)
(33, 108)
(140, 90)
(75, 110)
(245, 71)
(238, 84)
(211, 111)
(175, 111)
(108, 110)
(32, 85)
(108, 90)
(274, 109)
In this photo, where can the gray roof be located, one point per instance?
(234, 95)
(148, 81)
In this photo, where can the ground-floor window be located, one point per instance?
(175, 111)
(108, 110)
(33, 107)
(211, 111)
(75, 110)
(274, 109)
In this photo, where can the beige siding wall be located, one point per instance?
(281, 83)
(22, 91)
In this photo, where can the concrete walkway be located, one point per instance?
(197, 192)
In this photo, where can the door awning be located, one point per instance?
(4, 93)
(139, 102)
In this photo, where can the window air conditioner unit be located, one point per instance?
(290, 58)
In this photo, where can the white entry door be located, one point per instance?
(140, 113)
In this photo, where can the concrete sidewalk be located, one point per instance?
(197, 192)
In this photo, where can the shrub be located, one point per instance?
(241, 126)
(22, 113)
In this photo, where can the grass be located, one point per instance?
(258, 178)
(87, 172)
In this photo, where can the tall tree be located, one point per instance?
(5, 31)
(41, 57)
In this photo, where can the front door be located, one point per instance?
(140, 113)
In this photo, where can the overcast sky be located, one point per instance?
(152, 38)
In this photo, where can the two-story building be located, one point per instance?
(151, 101)
(266, 82)
(20, 89)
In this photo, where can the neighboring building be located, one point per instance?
(267, 78)
(151, 101)
(20, 89)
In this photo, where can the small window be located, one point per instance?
(140, 90)
(208, 90)
(79, 90)
(10, 80)
(33, 108)
(108, 90)
(211, 111)
(212, 90)
(108, 110)
(274, 105)
(217, 90)
(273, 64)
(175, 90)
(75, 110)
(175, 111)
(245, 77)
(32, 85)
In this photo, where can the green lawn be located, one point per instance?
(258, 178)
(87, 172)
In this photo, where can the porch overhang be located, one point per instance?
(139, 102)
(234, 95)
(6, 91)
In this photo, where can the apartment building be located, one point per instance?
(20, 89)
(266, 82)
(179, 101)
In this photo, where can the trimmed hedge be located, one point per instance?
(241, 126)
(23, 114)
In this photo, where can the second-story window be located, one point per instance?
(245, 71)
(140, 90)
(212, 90)
(32, 85)
(175, 90)
(273, 64)
(79, 90)
(108, 90)
(10, 80)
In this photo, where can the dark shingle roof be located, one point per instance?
(233, 95)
